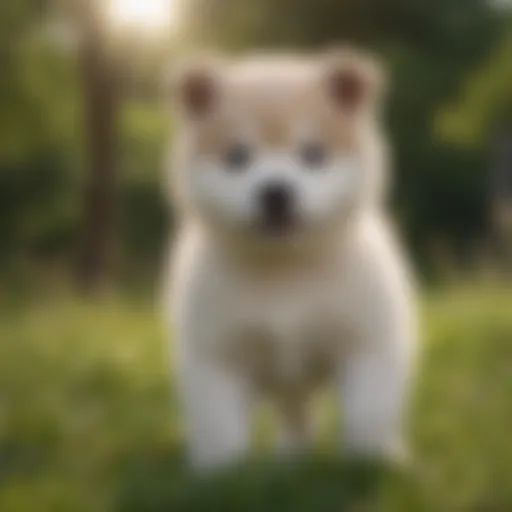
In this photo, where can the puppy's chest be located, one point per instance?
(287, 335)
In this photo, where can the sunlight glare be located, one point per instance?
(147, 15)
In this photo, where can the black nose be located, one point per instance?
(276, 200)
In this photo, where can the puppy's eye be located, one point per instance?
(313, 154)
(237, 156)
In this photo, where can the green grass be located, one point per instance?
(89, 420)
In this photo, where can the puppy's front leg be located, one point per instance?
(374, 389)
(217, 412)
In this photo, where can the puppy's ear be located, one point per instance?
(195, 87)
(354, 80)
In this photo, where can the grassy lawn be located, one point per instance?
(89, 421)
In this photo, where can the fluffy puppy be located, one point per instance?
(285, 275)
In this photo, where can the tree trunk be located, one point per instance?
(101, 102)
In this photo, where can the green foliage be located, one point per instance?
(89, 419)
(438, 26)
(39, 91)
(485, 103)
(39, 208)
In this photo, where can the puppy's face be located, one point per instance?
(275, 148)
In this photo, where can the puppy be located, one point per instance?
(286, 276)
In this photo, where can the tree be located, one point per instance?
(101, 100)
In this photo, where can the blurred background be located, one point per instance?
(88, 419)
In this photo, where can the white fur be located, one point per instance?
(251, 319)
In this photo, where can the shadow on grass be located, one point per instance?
(319, 485)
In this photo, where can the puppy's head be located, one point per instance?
(276, 148)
